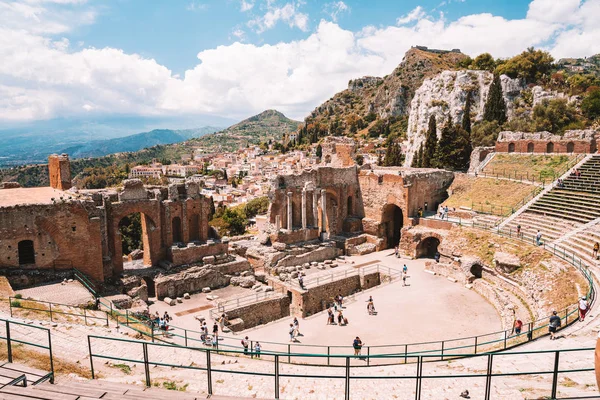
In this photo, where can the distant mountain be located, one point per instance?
(268, 125)
(32, 142)
(98, 148)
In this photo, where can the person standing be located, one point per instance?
(330, 317)
(291, 332)
(301, 281)
(595, 251)
(519, 231)
(518, 326)
(538, 238)
(245, 344)
(215, 329)
(257, 349)
(583, 308)
(404, 269)
(357, 344)
(296, 326)
(553, 325)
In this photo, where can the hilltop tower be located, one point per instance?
(59, 169)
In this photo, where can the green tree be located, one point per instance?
(430, 144)
(495, 106)
(235, 220)
(256, 206)
(359, 159)
(531, 65)
(393, 155)
(418, 157)
(454, 148)
(590, 106)
(212, 209)
(319, 151)
(466, 119)
(555, 115)
(130, 228)
(484, 62)
(485, 133)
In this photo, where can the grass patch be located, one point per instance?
(525, 166)
(172, 385)
(489, 195)
(126, 369)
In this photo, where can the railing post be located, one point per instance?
(84, 317)
(127, 319)
(488, 377)
(146, 365)
(405, 353)
(276, 376)
(555, 374)
(10, 305)
(505, 332)
(50, 311)
(347, 391)
(106, 318)
(185, 333)
(368, 356)
(476, 337)
(209, 373)
(251, 349)
(328, 352)
(289, 358)
(51, 357)
(91, 357)
(8, 343)
(419, 374)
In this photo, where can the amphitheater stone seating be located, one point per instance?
(582, 244)
(551, 227)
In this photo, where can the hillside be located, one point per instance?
(370, 99)
(136, 142)
(268, 125)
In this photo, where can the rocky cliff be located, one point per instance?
(444, 96)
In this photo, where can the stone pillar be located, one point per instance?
(315, 196)
(289, 211)
(277, 222)
(303, 208)
(324, 210)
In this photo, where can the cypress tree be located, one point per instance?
(417, 159)
(495, 107)
(319, 151)
(466, 119)
(420, 157)
(430, 144)
(454, 148)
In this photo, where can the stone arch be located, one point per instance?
(194, 227)
(176, 231)
(550, 147)
(570, 147)
(476, 270)
(511, 147)
(26, 252)
(148, 227)
(427, 247)
(392, 221)
(331, 225)
(530, 147)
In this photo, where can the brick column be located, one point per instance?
(324, 210)
(289, 211)
(315, 196)
(303, 208)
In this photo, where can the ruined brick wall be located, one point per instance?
(316, 299)
(59, 170)
(573, 141)
(262, 312)
(338, 152)
(194, 253)
(64, 235)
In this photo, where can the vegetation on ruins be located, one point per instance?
(234, 220)
(130, 228)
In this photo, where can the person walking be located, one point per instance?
(340, 318)
(292, 333)
(518, 326)
(215, 329)
(403, 279)
(245, 344)
(538, 238)
(297, 327)
(371, 307)
(357, 344)
(301, 282)
(583, 308)
(330, 317)
(595, 251)
(554, 324)
(404, 269)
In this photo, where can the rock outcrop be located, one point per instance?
(444, 96)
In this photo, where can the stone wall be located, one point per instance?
(300, 235)
(338, 151)
(195, 252)
(188, 281)
(261, 313)
(317, 298)
(575, 141)
(59, 171)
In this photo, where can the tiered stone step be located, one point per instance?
(551, 227)
(579, 198)
(582, 244)
(489, 220)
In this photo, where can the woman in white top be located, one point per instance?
(583, 308)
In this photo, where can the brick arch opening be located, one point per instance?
(194, 228)
(570, 147)
(477, 271)
(530, 147)
(550, 147)
(26, 252)
(428, 247)
(134, 231)
(176, 230)
(511, 147)
(392, 221)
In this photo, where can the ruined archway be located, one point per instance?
(530, 147)
(428, 247)
(176, 230)
(331, 225)
(194, 228)
(133, 238)
(26, 252)
(392, 221)
(570, 147)
(476, 271)
(511, 147)
(550, 147)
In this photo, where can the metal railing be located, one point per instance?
(352, 364)
(53, 309)
(232, 304)
(501, 210)
(11, 342)
(335, 276)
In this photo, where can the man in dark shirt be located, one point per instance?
(554, 325)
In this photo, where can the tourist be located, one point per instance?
(519, 230)
(517, 326)
(202, 333)
(257, 349)
(292, 332)
(405, 269)
(538, 238)
(404, 279)
(420, 212)
(300, 281)
(340, 318)
(441, 212)
(583, 308)
(330, 317)
(595, 251)
(162, 324)
(371, 307)
(297, 326)
(215, 341)
(215, 329)
(357, 344)
(396, 251)
(223, 321)
(446, 212)
(553, 325)
(437, 256)
(340, 300)
(245, 344)
(166, 317)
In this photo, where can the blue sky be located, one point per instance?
(173, 32)
(236, 58)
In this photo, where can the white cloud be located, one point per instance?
(246, 6)
(416, 14)
(288, 13)
(196, 6)
(239, 34)
(334, 9)
(43, 76)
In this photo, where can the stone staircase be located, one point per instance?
(551, 227)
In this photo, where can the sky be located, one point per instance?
(236, 58)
